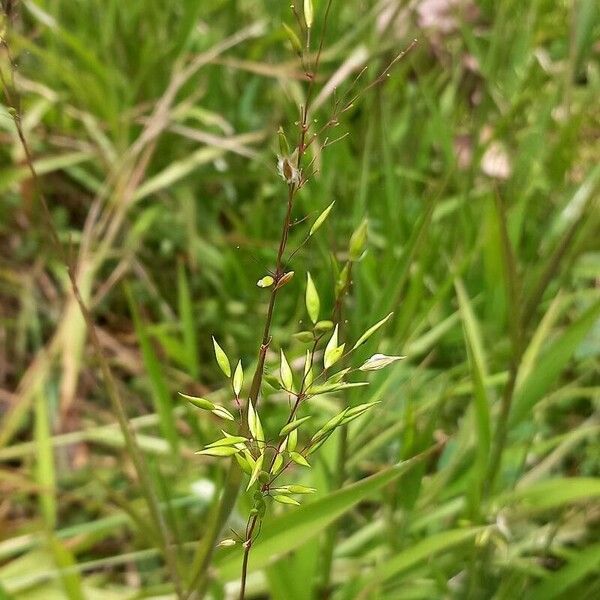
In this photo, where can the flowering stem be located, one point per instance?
(222, 510)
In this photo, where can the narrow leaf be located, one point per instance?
(285, 372)
(277, 464)
(369, 332)
(292, 440)
(238, 379)
(299, 459)
(256, 470)
(198, 402)
(330, 425)
(244, 464)
(222, 412)
(255, 425)
(417, 553)
(321, 219)
(551, 363)
(285, 500)
(360, 409)
(313, 303)
(292, 426)
(222, 359)
(297, 489)
(580, 565)
(219, 451)
(332, 353)
(477, 363)
(230, 440)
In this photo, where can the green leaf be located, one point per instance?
(306, 337)
(293, 529)
(219, 451)
(284, 146)
(294, 489)
(321, 219)
(254, 425)
(256, 470)
(222, 412)
(334, 387)
(292, 426)
(369, 332)
(557, 584)
(333, 352)
(330, 425)
(238, 379)
(313, 303)
(285, 500)
(308, 370)
(417, 553)
(244, 464)
(477, 363)
(229, 440)
(551, 493)
(222, 359)
(188, 324)
(324, 326)
(176, 171)
(45, 469)
(277, 464)
(551, 364)
(198, 402)
(69, 574)
(292, 440)
(358, 242)
(357, 411)
(287, 379)
(158, 386)
(299, 459)
(249, 458)
(205, 404)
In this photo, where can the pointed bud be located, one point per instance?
(358, 242)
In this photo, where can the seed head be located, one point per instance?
(288, 169)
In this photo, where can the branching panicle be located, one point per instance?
(262, 459)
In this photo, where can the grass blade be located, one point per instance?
(160, 393)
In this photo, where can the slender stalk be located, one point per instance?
(266, 338)
(517, 325)
(501, 428)
(148, 492)
(247, 548)
(223, 508)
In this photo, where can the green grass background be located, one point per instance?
(153, 125)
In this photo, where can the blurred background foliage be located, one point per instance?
(153, 125)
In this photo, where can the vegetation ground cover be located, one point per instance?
(153, 128)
